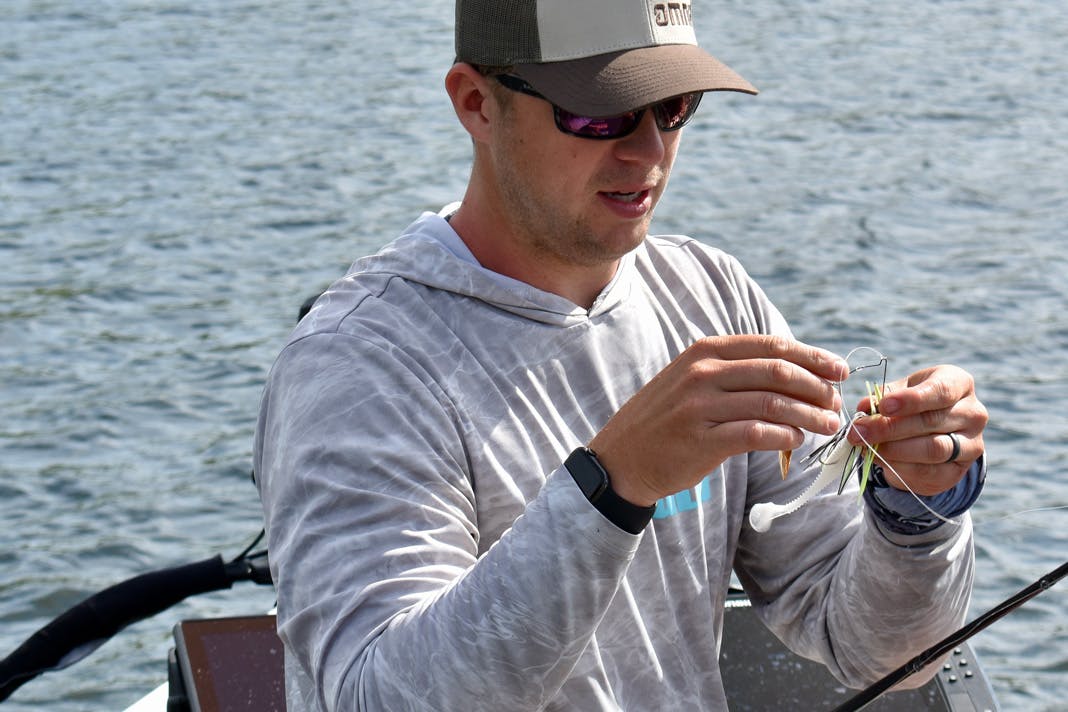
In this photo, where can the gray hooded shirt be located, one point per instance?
(431, 552)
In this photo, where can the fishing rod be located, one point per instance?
(943, 647)
(89, 624)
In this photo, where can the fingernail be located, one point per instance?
(889, 407)
(843, 368)
(833, 422)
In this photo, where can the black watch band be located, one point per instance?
(592, 479)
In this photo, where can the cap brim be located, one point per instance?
(613, 83)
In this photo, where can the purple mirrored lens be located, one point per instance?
(673, 113)
(601, 128)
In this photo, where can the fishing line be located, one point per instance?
(836, 451)
(905, 484)
(1012, 515)
(247, 553)
(953, 641)
(882, 361)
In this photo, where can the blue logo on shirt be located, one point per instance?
(684, 501)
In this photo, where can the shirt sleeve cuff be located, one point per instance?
(901, 512)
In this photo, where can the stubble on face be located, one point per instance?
(546, 216)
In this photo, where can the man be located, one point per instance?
(434, 544)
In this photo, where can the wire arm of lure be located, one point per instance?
(836, 456)
(840, 459)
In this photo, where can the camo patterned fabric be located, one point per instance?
(431, 552)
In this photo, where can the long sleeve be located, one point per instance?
(374, 544)
(430, 552)
(840, 588)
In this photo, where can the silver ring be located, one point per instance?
(956, 448)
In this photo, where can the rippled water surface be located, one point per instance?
(175, 177)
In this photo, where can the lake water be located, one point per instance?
(177, 175)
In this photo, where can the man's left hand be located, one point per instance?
(918, 420)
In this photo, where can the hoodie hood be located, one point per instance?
(431, 253)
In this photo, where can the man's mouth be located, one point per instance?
(627, 197)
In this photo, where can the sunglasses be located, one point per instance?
(671, 114)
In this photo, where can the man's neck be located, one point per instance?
(486, 238)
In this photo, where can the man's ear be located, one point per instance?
(472, 100)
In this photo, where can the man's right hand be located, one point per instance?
(723, 396)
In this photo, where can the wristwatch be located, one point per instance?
(592, 479)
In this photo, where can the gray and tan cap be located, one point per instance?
(593, 57)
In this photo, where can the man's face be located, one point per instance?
(584, 202)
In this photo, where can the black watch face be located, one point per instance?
(589, 476)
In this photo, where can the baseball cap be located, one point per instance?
(593, 57)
